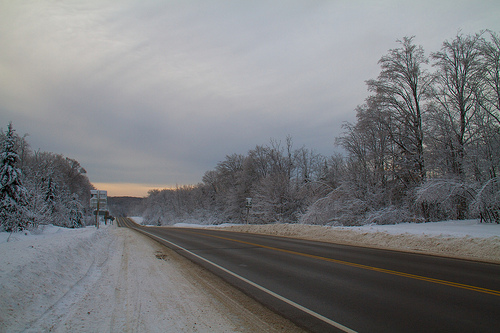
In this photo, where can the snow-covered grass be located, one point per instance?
(115, 280)
(195, 225)
(462, 228)
(43, 231)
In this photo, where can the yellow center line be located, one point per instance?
(371, 268)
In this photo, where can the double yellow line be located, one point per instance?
(371, 268)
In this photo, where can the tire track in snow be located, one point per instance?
(57, 314)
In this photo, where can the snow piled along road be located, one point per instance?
(467, 239)
(116, 280)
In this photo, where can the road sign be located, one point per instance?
(99, 198)
(99, 201)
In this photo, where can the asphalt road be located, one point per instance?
(327, 287)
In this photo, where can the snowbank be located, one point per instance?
(138, 219)
(116, 280)
(194, 225)
(37, 270)
(461, 239)
(464, 228)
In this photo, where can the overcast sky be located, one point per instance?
(149, 94)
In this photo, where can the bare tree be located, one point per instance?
(401, 88)
(368, 145)
(489, 91)
(458, 79)
(487, 163)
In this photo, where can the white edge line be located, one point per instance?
(272, 293)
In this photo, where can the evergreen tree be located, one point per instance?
(50, 198)
(13, 203)
(75, 213)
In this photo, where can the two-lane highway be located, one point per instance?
(328, 287)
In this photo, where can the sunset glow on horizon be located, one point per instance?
(129, 189)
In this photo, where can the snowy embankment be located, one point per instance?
(460, 239)
(115, 280)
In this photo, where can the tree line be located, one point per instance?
(425, 147)
(40, 187)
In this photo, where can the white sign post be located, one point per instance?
(248, 206)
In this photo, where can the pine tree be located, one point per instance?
(75, 213)
(50, 198)
(13, 203)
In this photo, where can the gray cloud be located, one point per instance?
(158, 92)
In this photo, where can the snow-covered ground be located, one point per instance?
(116, 280)
(465, 228)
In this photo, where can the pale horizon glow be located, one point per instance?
(130, 189)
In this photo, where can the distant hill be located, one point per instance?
(125, 206)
